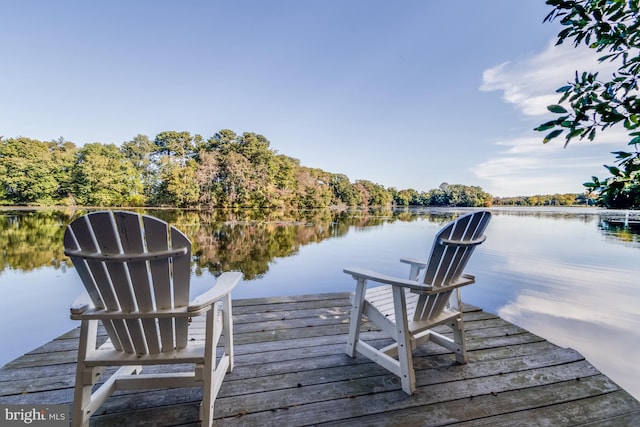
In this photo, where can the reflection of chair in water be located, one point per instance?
(136, 271)
(407, 309)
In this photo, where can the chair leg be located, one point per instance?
(407, 372)
(81, 398)
(227, 323)
(403, 338)
(356, 317)
(85, 376)
(208, 386)
(459, 338)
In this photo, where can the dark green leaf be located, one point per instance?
(557, 109)
(613, 170)
(575, 132)
(622, 154)
(552, 135)
(545, 126)
(563, 89)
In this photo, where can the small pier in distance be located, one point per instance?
(291, 370)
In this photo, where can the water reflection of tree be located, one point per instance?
(32, 240)
(619, 232)
(246, 240)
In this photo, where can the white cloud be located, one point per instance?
(577, 292)
(530, 83)
(526, 166)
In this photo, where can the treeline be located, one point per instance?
(568, 199)
(182, 170)
(188, 171)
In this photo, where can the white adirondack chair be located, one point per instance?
(407, 309)
(136, 271)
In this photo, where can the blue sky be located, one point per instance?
(407, 94)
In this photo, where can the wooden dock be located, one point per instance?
(291, 370)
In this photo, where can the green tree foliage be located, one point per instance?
(344, 192)
(32, 172)
(178, 186)
(459, 195)
(568, 199)
(242, 171)
(407, 197)
(180, 170)
(179, 146)
(140, 151)
(235, 177)
(103, 176)
(64, 160)
(285, 181)
(590, 103)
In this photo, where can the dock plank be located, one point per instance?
(290, 369)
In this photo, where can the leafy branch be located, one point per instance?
(589, 104)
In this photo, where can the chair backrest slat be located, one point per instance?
(157, 239)
(181, 275)
(181, 270)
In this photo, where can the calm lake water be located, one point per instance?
(569, 275)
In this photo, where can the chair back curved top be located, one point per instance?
(134, 264)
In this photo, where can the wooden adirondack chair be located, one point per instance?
(136, 271)
(407, 309)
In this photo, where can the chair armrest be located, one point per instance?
(420, 263)
(93, 313)
(463, 280)
(473, 242)
(223, 286)
(81, 304)
(361, 273)
(83, 308)
(417, 265)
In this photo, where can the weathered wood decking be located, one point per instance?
(291, 370)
